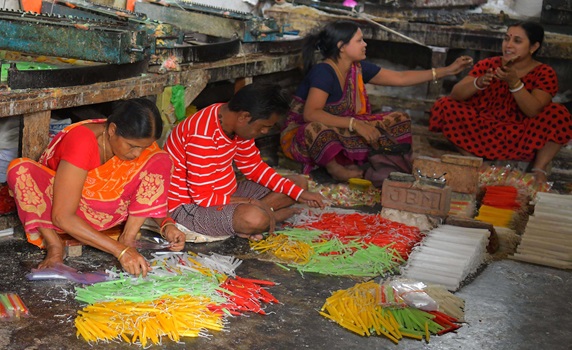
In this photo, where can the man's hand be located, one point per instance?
(312, 199)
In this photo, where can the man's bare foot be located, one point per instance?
(254, 237)
(286, 213)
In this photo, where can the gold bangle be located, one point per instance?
(434, 73)
(122, 252)
(163, 229)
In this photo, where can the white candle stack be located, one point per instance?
(547, 239)
(448, 255)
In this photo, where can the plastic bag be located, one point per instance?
(178, 101)
(413, 294)
(147, 240)
(62, 271)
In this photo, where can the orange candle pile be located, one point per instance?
(499, 205)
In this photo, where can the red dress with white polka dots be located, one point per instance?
(490, 124)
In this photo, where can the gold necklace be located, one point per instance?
(335, 66)
(341, 77)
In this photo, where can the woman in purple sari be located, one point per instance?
(330, 123)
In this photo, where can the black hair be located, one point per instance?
(138, 118)
(534, 31)
(260, 100)
(326, 41)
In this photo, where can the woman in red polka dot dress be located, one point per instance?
(503, 109)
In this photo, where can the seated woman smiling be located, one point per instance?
(503, 109)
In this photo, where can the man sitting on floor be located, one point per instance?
(205, 196)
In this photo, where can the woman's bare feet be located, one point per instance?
(54, 247)
(341, 173)
(254, 237)
(54, 257)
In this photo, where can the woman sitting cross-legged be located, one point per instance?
(330, 123)
(503, 109)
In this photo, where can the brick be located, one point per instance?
(74, 250)
(414, 198)
(474, 162)
(460, 178)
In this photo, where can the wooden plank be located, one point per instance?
(18, 102)
(35, 135)
(466, 36)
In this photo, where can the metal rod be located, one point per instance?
(369, 20)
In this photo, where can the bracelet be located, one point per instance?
(163, 228)
(351, 127)
(477, 86)
(518, 88)
(539, 170)
(166, 220)
(122, 252)
(434, 73)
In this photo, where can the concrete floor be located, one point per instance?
(509, 305)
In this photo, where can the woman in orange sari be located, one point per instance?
(95, 175)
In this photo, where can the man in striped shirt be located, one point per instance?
(205, 196)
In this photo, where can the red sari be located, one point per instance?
(490, 125)
(315, 144)
(112, 191)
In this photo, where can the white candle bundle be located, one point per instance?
(221, 263)
(547, 239)
(448, 255)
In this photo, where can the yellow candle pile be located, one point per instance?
(358, 309)
(174, 317)
(285, 248)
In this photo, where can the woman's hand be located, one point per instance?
(174, 236)
(368, 132)
(507, 74)
(460, 64)
(133, 262)
(128, 240)
(485, 80)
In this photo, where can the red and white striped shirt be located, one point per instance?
(203, 156)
